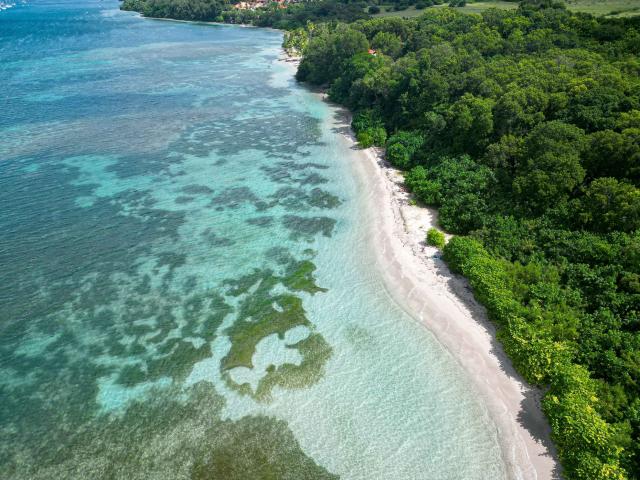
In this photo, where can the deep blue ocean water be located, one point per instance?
(185, 288)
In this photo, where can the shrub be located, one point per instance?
(401, 148)
(366, 119)
(371, 136)
(459, 186)
(435, 238)
(373, 9)
(379, 136)
(399, 156)
(365, 139)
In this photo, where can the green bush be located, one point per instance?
(458, 185)
(401, 148)
(368, 121)
(365, 139)
(363, 119)
(399, 156)
(435, 238)
(379, 136)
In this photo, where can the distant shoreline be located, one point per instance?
(202, 22)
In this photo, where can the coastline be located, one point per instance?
(202, 22)
(420, 282)
(199, 22)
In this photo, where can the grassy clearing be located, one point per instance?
(475, 7)
(478, 7)
(605, 7)
(409, 12)
(595, 7)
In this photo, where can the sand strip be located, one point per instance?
(419, 280)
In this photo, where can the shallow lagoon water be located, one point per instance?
(186, 287)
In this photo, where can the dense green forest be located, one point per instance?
(523, 128)
(294, 16)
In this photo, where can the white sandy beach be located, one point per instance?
(419, 280)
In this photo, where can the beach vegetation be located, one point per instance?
(365, 139)
(402, 147)
(369, 129)
(435, 238)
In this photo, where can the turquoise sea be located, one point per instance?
(186, 285)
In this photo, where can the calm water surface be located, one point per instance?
(186, 288)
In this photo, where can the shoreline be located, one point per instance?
(417, 278)
(201, 22)
(419, 281)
